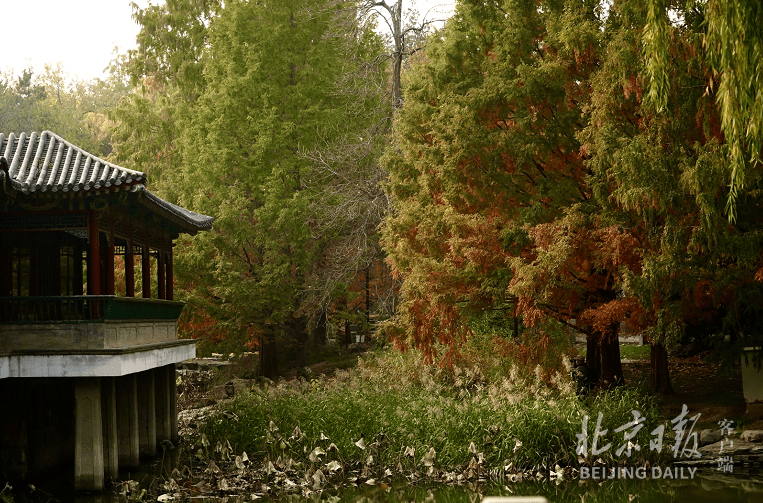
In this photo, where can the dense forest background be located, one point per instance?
(530, 169)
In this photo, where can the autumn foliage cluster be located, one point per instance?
(532, 177)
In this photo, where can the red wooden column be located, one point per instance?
(129, 268)
(162, 283)
(170, 275)
(93, 256)
(146, 270)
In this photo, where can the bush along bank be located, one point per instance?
(393, 418)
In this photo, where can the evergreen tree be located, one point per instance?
(266, 91)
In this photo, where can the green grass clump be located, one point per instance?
(401, 409)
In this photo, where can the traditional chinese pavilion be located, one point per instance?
(87, 372)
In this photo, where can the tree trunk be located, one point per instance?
(368, 297)
(396, 13)
(659, 374)
(516, 327)
(516, 321)
(319, 334)
(268, 356)
(611, 368)
(593, 352)
(347, 339)
(296, 330)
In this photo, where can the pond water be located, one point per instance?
(707, 486)
(709, 489)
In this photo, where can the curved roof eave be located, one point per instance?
(190, 221)
(46, 163)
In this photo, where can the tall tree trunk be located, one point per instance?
(396, 15)
(368, 297)
(515, 315)
(659, 373)
(593, 352)
(296, 330)
(516, 327)
(347, 339)
(319, 334)
(611, 368)
(268, 356)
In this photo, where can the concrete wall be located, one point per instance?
(83, 336)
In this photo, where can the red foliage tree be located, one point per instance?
(491, 185)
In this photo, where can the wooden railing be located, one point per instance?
(85, 308)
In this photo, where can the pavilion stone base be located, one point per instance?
(84, 336)
(95, 425)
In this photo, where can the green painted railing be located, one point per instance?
(85, 308)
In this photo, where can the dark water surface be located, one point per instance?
(708, 486)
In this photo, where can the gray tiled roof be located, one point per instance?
(45, 162)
